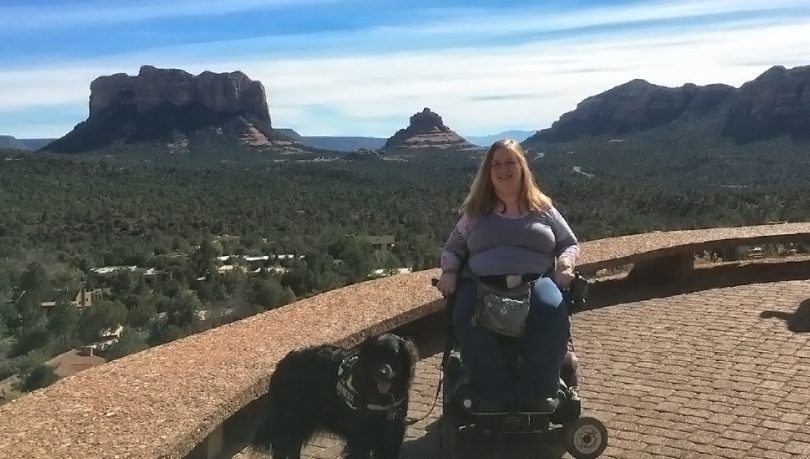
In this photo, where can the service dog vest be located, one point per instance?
(353, 399)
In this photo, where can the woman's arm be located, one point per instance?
(566, 247)
(454, 253)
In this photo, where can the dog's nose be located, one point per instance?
(385, 371)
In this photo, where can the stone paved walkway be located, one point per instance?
(718, 373)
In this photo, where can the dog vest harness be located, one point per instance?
(353, 399)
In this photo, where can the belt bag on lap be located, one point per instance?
(503, 310)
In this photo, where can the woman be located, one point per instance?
(511, 233)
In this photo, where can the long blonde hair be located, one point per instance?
(482, 199)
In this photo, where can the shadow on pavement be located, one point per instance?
(797, 321)
(472, 444)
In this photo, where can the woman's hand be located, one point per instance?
(447, 283)
(563, 275)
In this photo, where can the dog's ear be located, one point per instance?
(413, 353)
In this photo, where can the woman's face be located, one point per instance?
(505, 172)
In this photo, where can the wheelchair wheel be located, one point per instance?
(448, 438)
(586, 438)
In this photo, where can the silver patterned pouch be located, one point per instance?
(503, 310)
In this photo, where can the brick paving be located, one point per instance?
(720, 373)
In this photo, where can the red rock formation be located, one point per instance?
(775, 103)
(634, 106)
(169, 104)
(223, 93)
(426, 131)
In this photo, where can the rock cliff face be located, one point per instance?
(634, 106)
(774, 104)
(426, 131)
(223, 93)
(162, 104)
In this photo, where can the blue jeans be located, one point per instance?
(544, 345)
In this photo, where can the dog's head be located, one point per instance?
(385, 365)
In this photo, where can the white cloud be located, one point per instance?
(359, 89)
(42, 87)
(540, 19)
(107, 12)
(561, 73)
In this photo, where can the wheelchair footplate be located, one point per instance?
(513, 422)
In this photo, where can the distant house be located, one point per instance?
(230, 268)
(153, 272)
(388, 272)
(227, 238)
(383, 242)
(79, 297)
(106, 339)
(251, 264)
(244, 259)
(112, 332)
(113, 270)
(250, 259)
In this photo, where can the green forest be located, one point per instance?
(304, 224)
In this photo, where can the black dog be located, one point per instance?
(360, 395)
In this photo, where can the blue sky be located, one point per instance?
(362, 67)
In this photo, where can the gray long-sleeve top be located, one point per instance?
(494, 244)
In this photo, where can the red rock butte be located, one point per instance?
(425, 131)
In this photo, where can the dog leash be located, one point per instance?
(412, 421)
(448, 348)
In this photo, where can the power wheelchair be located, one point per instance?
(585, 437)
